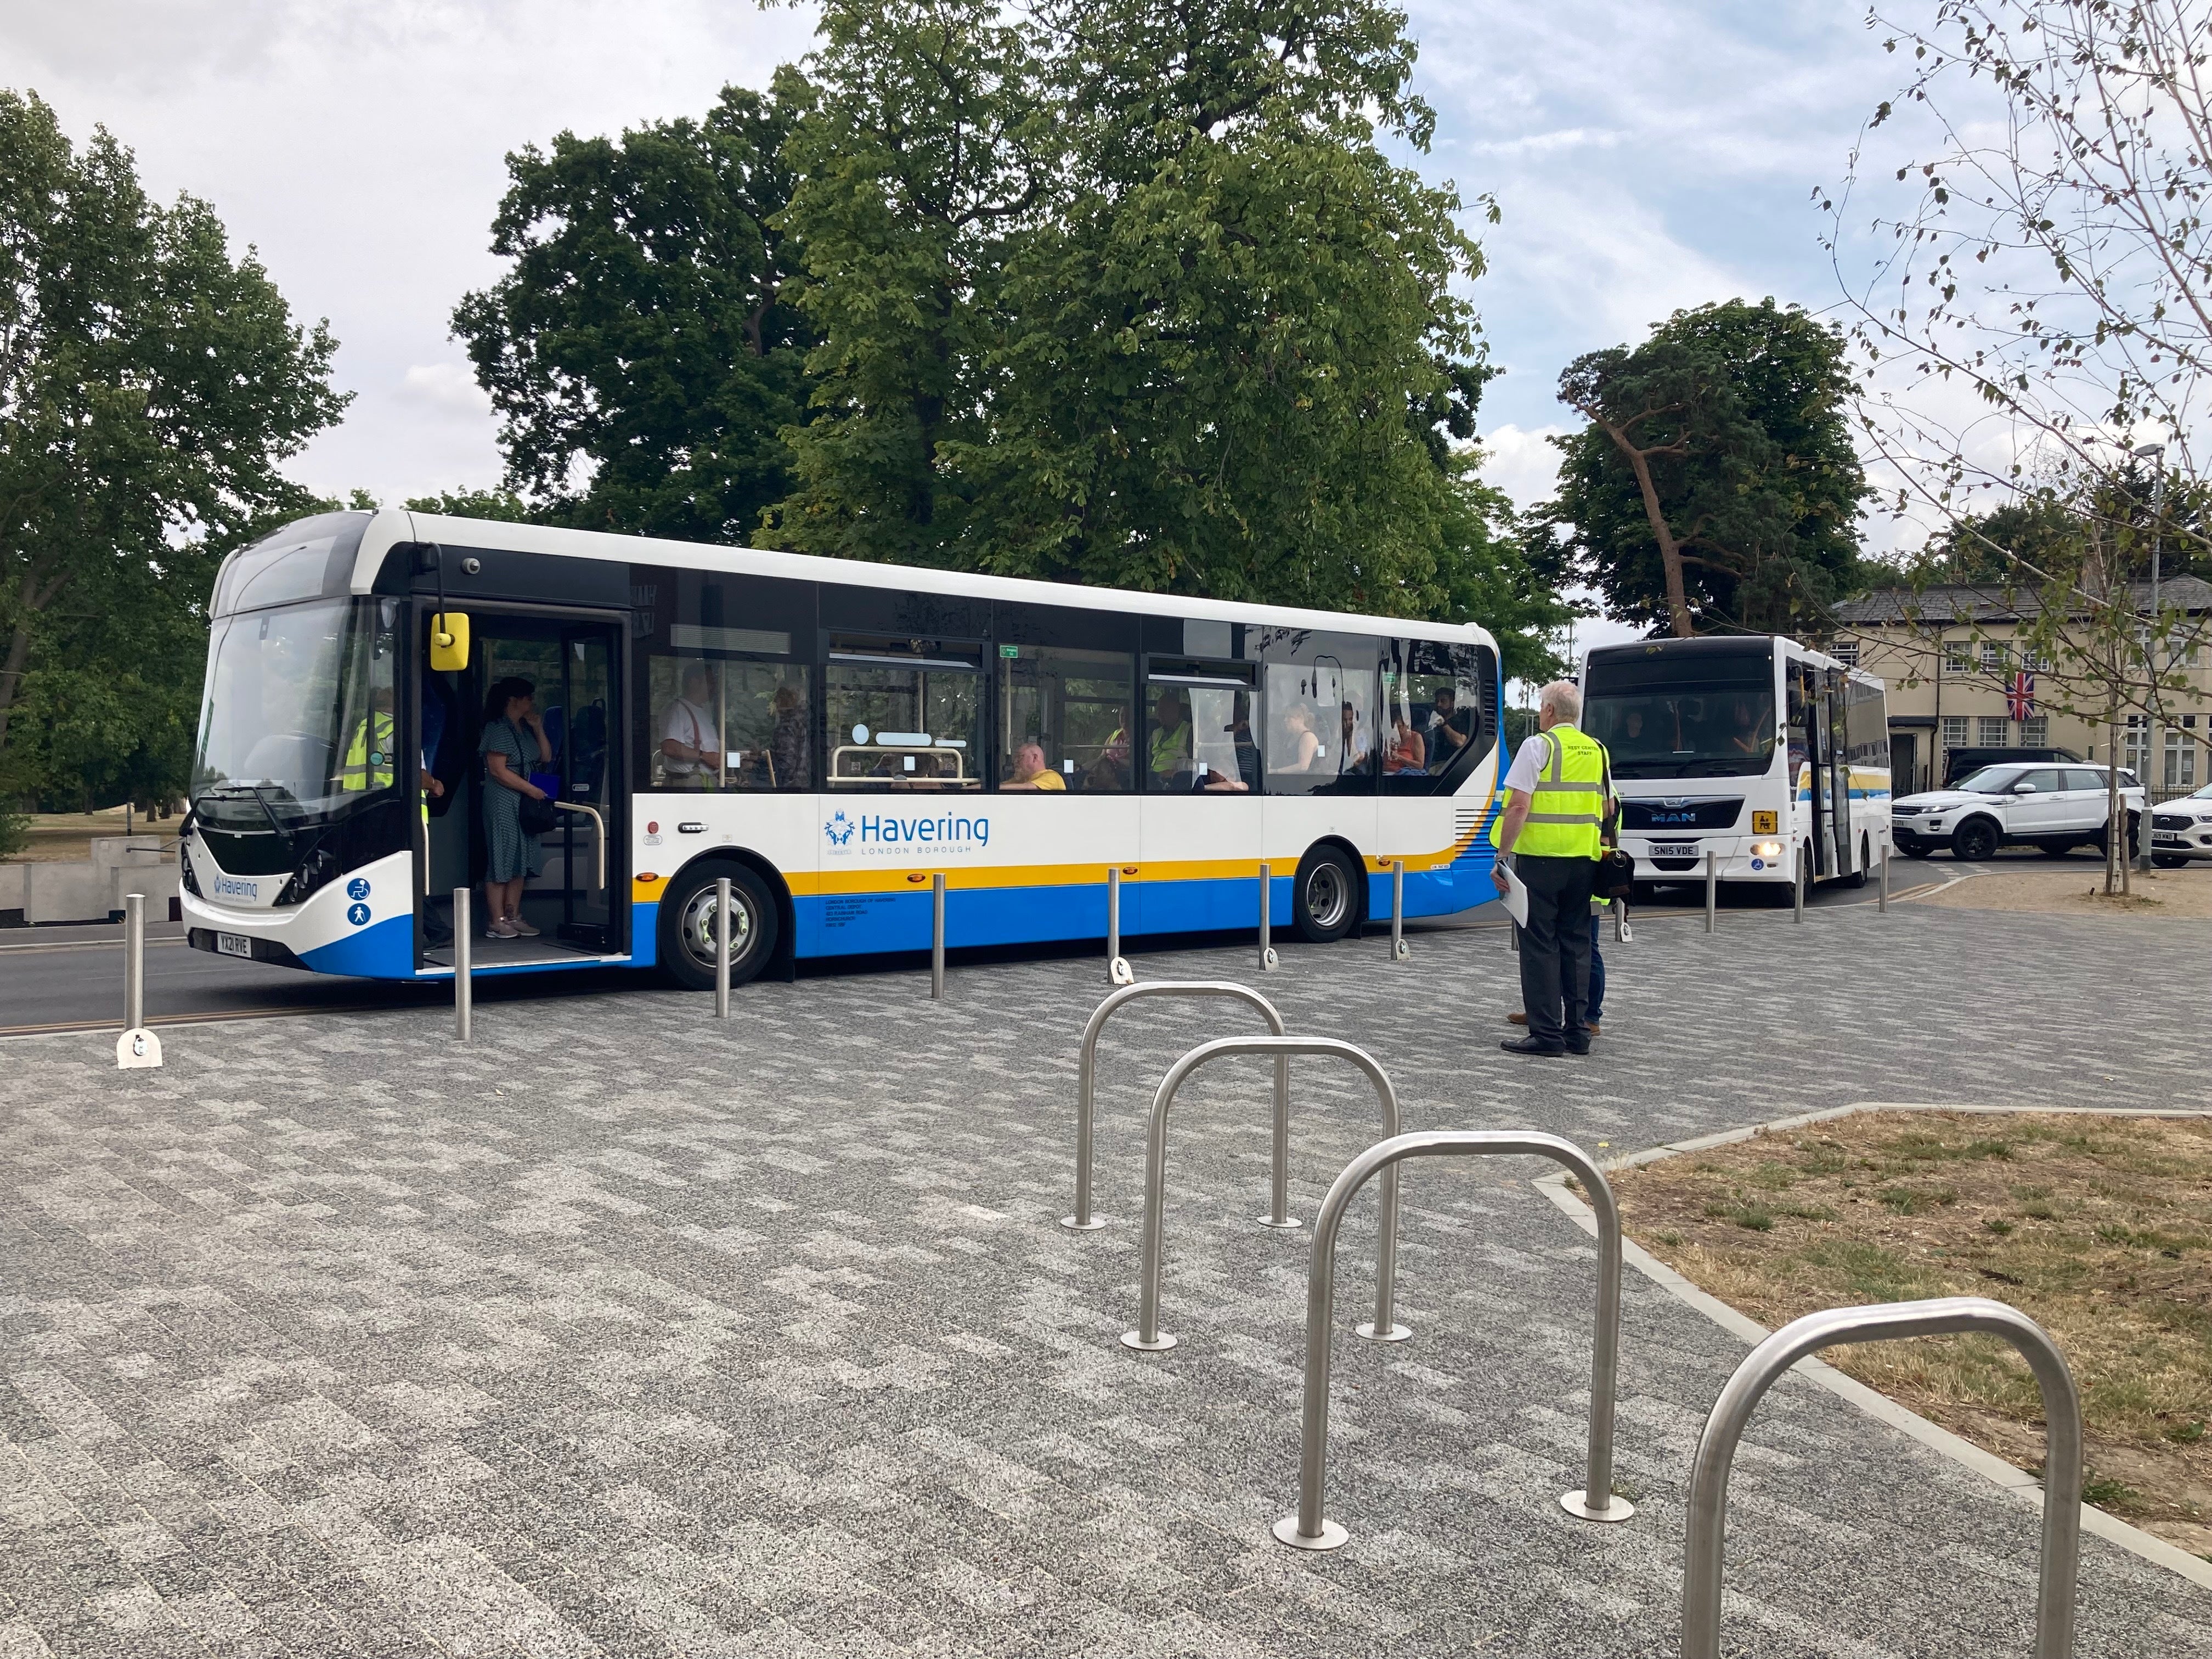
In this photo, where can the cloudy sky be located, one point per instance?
(1645, 157)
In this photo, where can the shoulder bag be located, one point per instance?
(1616, 870)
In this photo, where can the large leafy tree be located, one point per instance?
(1131, 294)
(1715, 484)
(150, 382)
(642, 352)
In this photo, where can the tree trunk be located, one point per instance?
(11, 677)
(1670, 555)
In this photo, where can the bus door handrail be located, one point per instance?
(599, 823)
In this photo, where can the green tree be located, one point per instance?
(1715, 483)
(643, 353)
(503, 505)
(1503, 570)
(1130, 294)
(150, 385)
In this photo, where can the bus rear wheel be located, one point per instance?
(1325, 898)
(687, 926)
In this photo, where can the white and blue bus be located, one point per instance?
(829, 735)
(1771, 756)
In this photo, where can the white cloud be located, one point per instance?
(1521, 462)
(448, 388)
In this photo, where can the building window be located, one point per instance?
(2136, 754)
(1954, 730)
(1990, 730)
(2035, 732)
(2180, 761)
(1957, 659)
(1993, 657)
(1845, 651)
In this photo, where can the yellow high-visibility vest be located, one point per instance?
(368, 757)
(1566, 812)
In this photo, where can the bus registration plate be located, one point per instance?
(235, 945)
(1674, 850)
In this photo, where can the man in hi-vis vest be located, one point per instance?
(1556, 802)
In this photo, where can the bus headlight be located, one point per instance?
(1766, 849)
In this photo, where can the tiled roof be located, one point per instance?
(1967, 603)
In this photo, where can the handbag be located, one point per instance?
(1616, 870)
(537, 817)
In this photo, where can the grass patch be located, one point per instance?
(2100, 1229)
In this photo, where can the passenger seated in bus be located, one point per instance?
(691, 747)
(1030, 774)
(1301, 744)
(1744, 736)
(1110, 773)
(1171, 747)
(787, 743)
(1405, 752)
(1451, 728)
(1355, 748)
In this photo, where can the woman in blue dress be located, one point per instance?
(513, 734)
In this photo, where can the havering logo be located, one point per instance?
(888, 832)
(839, 828)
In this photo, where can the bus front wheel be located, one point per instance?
(687, 926)
(1325, 898)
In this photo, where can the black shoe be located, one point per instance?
(1582, 1048)
(1529, 1045)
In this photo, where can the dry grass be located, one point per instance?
(2101, 1228)
(2184, 894)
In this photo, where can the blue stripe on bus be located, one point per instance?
(385, 950)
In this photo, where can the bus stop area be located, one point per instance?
(621, 1329)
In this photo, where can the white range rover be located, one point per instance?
(2182, 829)
(2055, 806)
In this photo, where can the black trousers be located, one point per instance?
(1555, 945)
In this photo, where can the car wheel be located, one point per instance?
(1325, 899)
(2169, 860)
(1974, 842)
(687, 926)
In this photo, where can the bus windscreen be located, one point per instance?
(1689, 718)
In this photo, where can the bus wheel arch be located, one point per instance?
(1328, 895)
(762, 905)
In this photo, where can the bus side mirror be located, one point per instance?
(449, 642)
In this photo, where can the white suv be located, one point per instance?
(2050, 805)
(2182, 829)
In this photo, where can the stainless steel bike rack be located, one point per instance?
(721, 947)
(463, 977)
(2062, 1414)
(1267, 959)
(1307, 1528)
(1148, 1338)
(1399, 952)
(1086, 1082)
(1118, 971)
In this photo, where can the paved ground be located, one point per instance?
(624, 1332)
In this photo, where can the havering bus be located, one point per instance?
(1752, 747)
(829, 735)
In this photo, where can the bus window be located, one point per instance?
(1198, 733)
(1688, 716)
(1077, 706)
(1432, 708)
(729, 724)
(1321, 736)
(904, 713)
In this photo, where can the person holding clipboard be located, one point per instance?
(1556, 799)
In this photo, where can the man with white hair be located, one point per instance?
(1557, 797)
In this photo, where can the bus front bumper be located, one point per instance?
(1739, 857)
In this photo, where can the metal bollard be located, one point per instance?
(1307, 1528)
(463, 983)
(136, 1047)
(1882, 893)
(1118, 971)
(1797, 890)
(1398, 950)
(721, 947)
(1267, 958)
(1712, 886)
(1622, 933)
(937, 937)
(2062, 1462)
(1148, 1338)
(1086, 1076)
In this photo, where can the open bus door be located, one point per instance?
(1835, 689)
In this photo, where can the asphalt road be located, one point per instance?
(56, 979)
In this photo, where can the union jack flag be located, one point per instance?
(2020, 696)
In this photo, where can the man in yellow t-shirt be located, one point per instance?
(1031, 773)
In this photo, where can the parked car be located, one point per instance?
(1965, 763)
(2055, 807)
(2181, 829)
